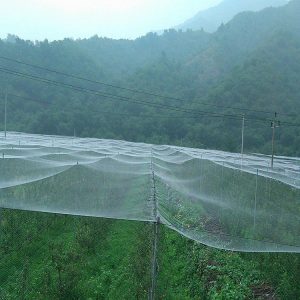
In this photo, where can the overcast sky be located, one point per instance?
(57, 19)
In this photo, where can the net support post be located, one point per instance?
(154, 263)
(5, 114)
(255, 200)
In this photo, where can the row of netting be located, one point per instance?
(228, 208)
(84, 177)
(220, 199)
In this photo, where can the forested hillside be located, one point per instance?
(210, 19)
(252, 62)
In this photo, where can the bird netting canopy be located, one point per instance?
(220, 199)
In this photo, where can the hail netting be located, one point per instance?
(213, 197)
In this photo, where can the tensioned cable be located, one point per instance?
(114, 113)
(196, 113)
(126, 99)
(133, 115)
(137, 91)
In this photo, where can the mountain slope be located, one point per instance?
(210, 19)
(253, 61)
(267, 81)
(234, 42)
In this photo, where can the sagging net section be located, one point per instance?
(219, 199)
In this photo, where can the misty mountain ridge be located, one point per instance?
(252, 61)
(209, 20)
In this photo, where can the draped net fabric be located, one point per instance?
(217, 198)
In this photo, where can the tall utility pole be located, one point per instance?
(5, 113)
(243, 131)
(275, 123)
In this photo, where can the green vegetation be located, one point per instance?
(63, 257)
(252, 62)
(193, 271)
(236, 210)
(45, 256)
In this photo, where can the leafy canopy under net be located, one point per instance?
(214, 197)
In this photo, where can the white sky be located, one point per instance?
(57, 19)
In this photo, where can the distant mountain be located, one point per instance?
(209, 20)
(253, 61)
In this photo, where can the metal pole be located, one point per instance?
(273, 138)
(5, 113)
(255, 199)
(201, 175)
(243, 131)
(222, 182)
(275, 123)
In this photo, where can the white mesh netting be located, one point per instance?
(212, 197)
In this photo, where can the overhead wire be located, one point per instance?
(136, 90)
(128, 99)
(123, 98)
(130, 114)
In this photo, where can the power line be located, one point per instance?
(187, 117)
(135, 90)
(123, 98)
(128, 114)
(113, 113)
(134, 115)
(196, 113)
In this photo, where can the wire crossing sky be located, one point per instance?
(216, 198)
(58, 19)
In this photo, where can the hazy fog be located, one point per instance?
(57, 19)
